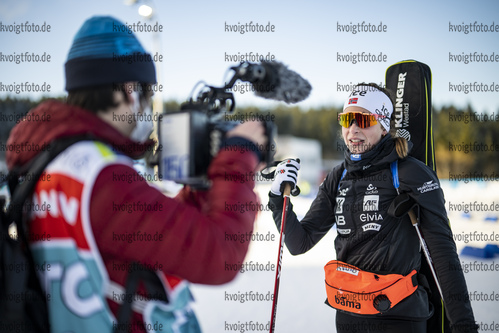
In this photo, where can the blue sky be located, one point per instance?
(306, 38)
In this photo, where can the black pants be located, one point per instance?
(346, 323)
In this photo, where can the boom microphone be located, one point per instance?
(273, 80)
(192, 137)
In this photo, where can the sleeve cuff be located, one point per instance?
(242, 144)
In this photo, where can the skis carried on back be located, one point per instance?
(411, 82)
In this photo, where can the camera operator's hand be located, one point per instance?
(286, 172)
(250, 130)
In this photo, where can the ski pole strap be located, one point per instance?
(271, 174)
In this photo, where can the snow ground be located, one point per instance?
(301, 305)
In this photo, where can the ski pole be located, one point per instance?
(415, 223)
(286, 193)
(402, 205)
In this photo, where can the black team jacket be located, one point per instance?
(367, 237)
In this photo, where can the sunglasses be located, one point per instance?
(362, 119)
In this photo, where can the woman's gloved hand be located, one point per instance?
(286, 172)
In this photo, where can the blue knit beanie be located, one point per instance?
(98, 56)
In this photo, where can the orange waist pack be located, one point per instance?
(350, 289)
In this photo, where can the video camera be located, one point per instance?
(191, 138)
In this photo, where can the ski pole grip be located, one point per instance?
(287, 189)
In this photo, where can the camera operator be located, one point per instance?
(100, 225)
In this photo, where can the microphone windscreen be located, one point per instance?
(282, 84)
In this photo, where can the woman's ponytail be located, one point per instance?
(401, 146)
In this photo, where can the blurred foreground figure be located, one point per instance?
(103, 226)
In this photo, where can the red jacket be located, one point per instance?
(193, 225)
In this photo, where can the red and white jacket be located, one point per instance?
(98, 223)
